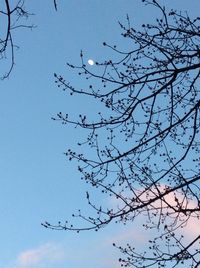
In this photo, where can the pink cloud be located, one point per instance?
(190, 227)
(45, 253)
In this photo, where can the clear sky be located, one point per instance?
(36, 181)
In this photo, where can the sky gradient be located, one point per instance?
(37, 183)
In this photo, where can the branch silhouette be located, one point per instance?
(145, 140)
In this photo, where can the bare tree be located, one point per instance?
(149, 160)
(12, 17)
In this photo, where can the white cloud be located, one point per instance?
(44, 254)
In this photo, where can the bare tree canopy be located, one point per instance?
(145, 147)
(13, 16)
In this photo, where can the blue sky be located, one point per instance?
(37, 183)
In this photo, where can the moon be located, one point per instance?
(90, 62)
